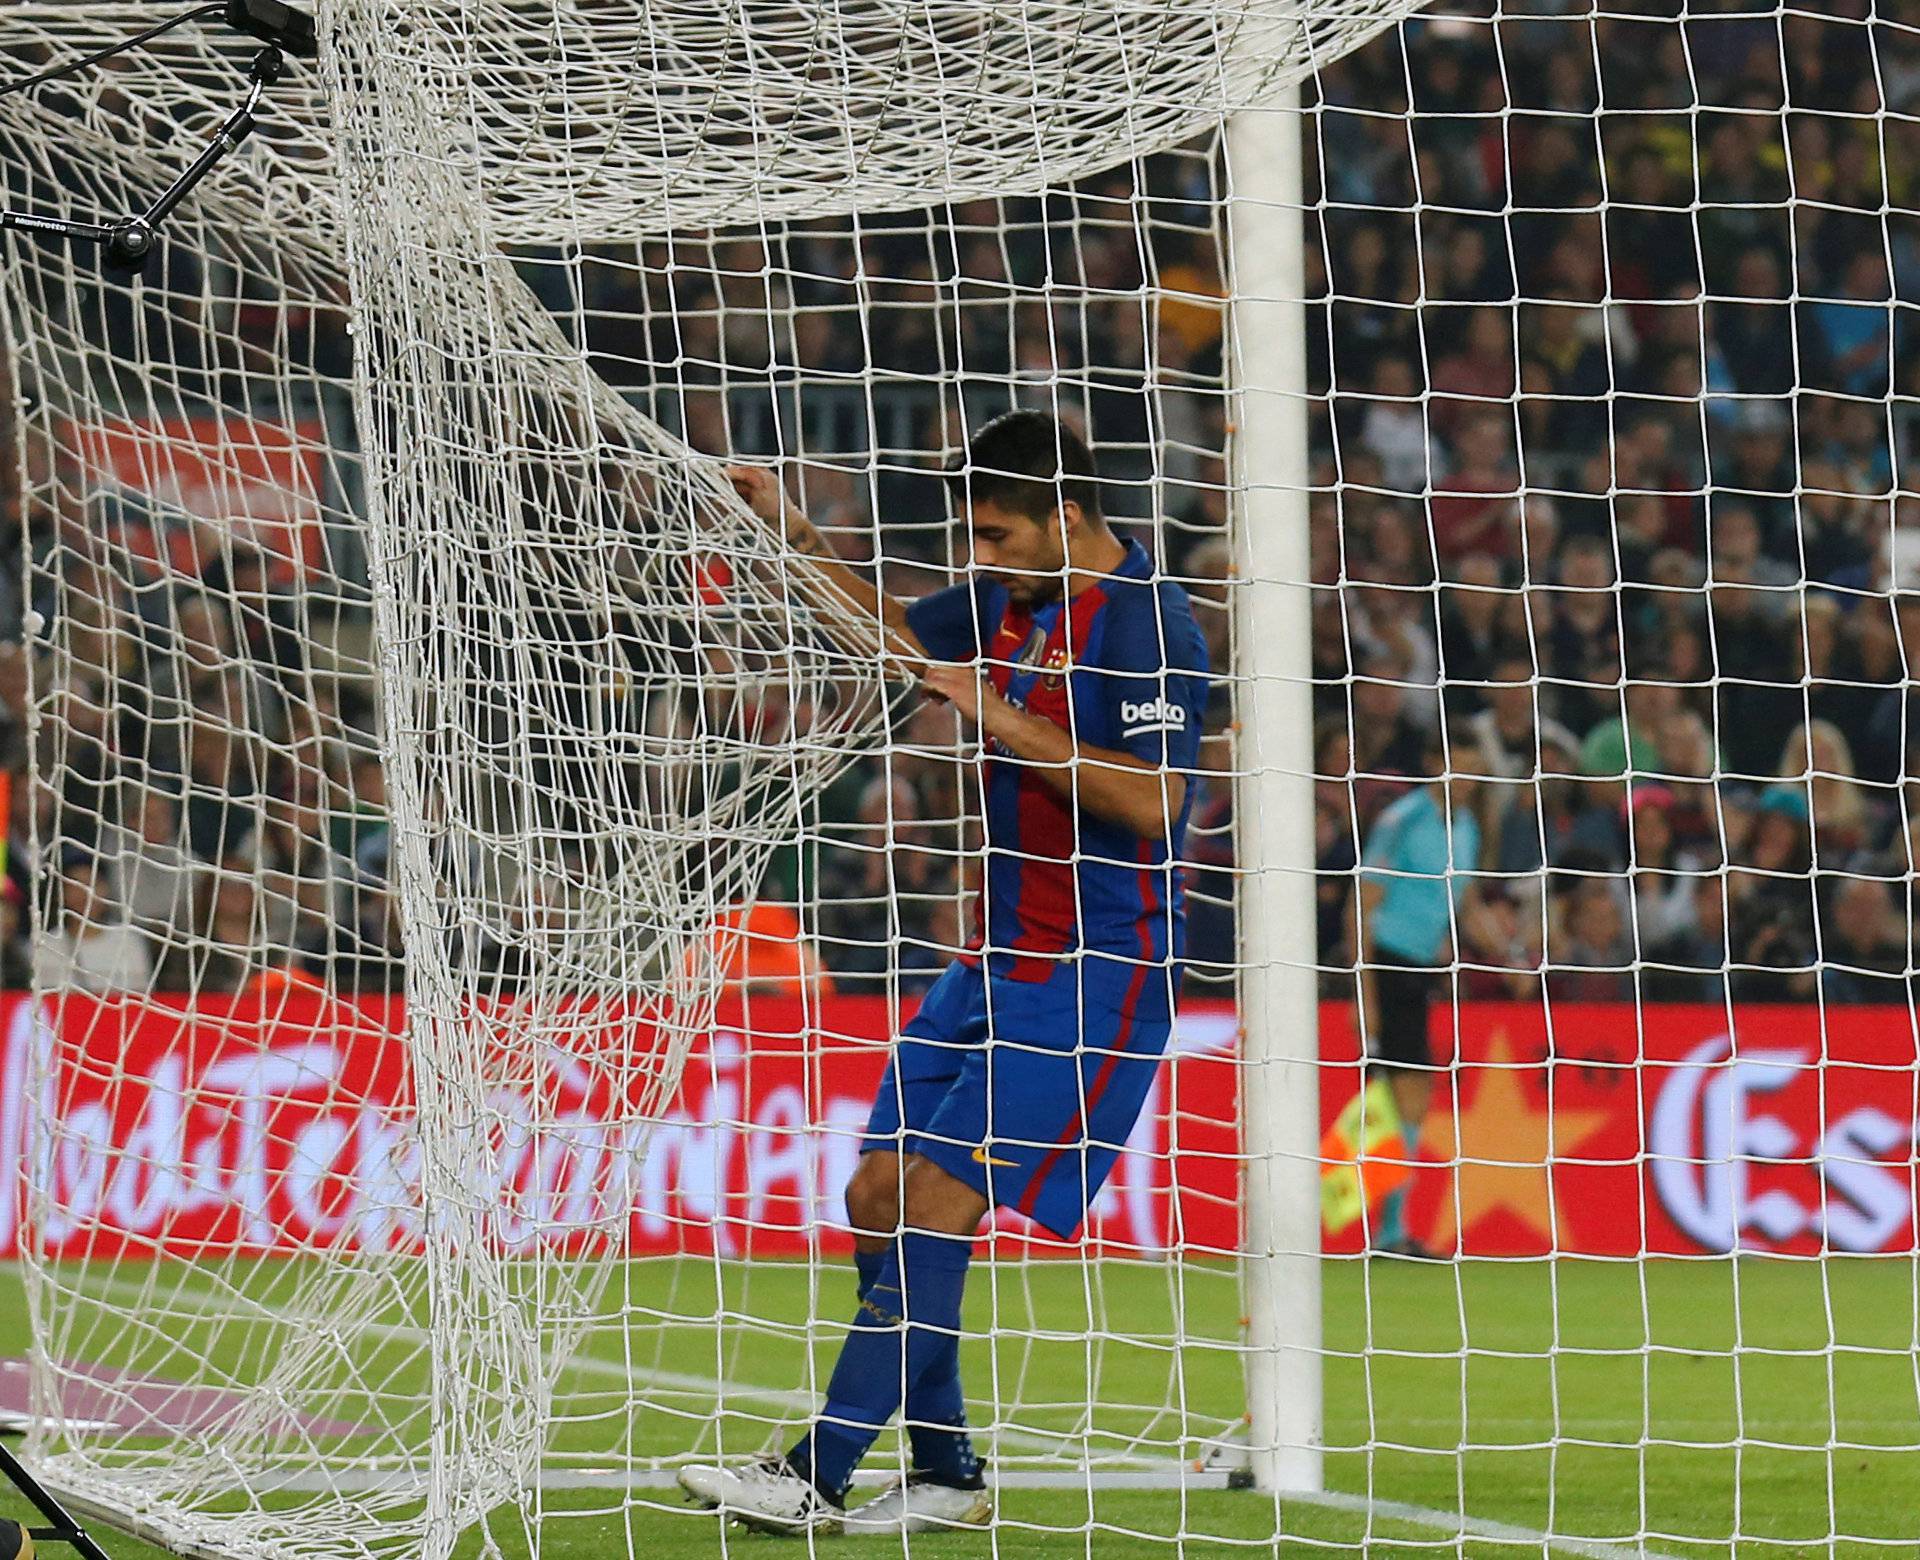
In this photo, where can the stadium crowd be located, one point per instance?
(1610, 528)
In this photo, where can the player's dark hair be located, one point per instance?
(1027, 462)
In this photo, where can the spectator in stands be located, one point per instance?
(234, 949)
(1893, 730)
(1503, 933)
(1394, 426)
(90, 947)
(373, 961)
(16, 955)
(1817, 754)
(924, 956)
(1590, 951)
(762, 950)
(1757, 695)
(1580, 635)
(1334, 854)
(221, 769)
(1476, 505)
(1659, 898)
(1771, 902)
(1689, 964)
(1477, 378)
(1510, 731)
(876, 879)
(1851, 334)
(1751, 332)
(1629, 744)
(158, 876)
(1864, 956)
(1475, 632)
(1550, 820)
(1737, 558)
(362, 826)
(310, 889)
(1387, 741)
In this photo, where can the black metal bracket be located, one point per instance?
(128, 242)
(61, 1526)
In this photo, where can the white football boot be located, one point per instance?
(766, 1495)
(918, 1505)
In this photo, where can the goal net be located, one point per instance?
(470, 867)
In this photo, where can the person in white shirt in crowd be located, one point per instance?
(146, 855)
(91, 947)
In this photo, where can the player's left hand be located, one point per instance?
(964, 687)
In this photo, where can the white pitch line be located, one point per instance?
(1463, 1526)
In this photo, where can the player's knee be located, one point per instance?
(935, 1199)
(873, 1195)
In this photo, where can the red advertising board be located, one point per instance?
(285, 1123)
(262, 481)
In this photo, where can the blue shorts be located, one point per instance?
(1026, 1090)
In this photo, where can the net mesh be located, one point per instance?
(474, 868)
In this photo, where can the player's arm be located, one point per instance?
(761, 490)
(1116, 786)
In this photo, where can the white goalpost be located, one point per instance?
(466, 870)
(1279, 1002)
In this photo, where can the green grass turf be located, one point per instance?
(1770, 1401)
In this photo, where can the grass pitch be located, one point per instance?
(1681, 1408)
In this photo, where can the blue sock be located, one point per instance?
(867, 1265)
(936, 1416)
(936, 1409)
(919, 1285)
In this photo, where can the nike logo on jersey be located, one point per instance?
(982, 1157)
(1136, 719)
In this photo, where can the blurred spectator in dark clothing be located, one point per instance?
(1578, 380)
(372, 958)
(1580, 637)
(1503, 946)
(1758, 695)
(1552, 821)
(1865, 958)
(1752, 338)
(1771, 903)
(1662, 870)
(1851, 656)
(1892, 745)
(1590, 952)
(1335, 857)
(1475, 632)
(1386, 740)
(1392, 423)
(1689, 964)
(1510, 729)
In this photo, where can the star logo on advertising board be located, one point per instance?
(1501, 1141)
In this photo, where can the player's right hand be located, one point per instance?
(759, 489)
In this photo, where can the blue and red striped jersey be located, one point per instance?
(1121, 666)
